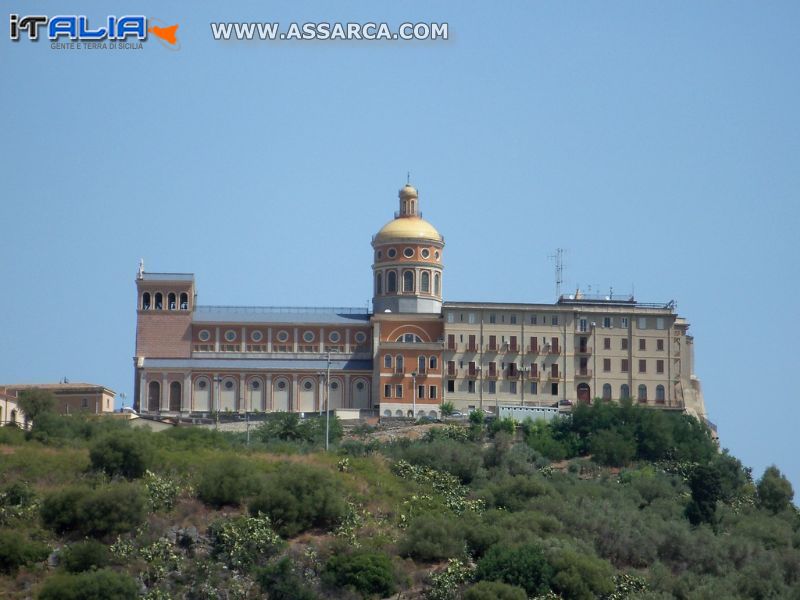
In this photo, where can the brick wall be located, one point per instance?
(163, 335)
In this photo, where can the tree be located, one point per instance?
(775, 493)
(494, 590)
(125, 454)
(447, 408)
(706, 486)
(17, 551)
(368, 573)
(525, 566)
(35, 403)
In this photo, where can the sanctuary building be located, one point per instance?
(412, 352)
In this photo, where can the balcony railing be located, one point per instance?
(554, 376)
(492, 347)
(553, 349)
(452, 346)
(532, 349)
(472, 373)
(583, 373)
(472, 347)
(584, 350)
(452, 372)
(513, 348)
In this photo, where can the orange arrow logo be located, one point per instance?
(165, 33)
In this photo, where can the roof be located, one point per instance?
(403, 228)
(167, 276)
(280, 314)
(280, 364)
(62, 387)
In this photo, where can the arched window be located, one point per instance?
(154, 396)
(421, 362)
(434, 363)
(436, 284)
(624, 392)
(378, 284)
(184, 301)
(606, 391)
(409, 338)
(642, 395)
(660, 397)
(425, 282)
(171, 301)
(399, 363)
(391, 282)
(159, 301)
(408, 281)
(146, 301)
(387, 361)
(175, 396)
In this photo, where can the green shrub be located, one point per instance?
(17, 551)
(706, 486)
(513, 492)
(525, 566)
(122, 454)
(241, 542)
(108, 510)
(366, 572)
(579, 576)
(298, 497)
(226, 482)
(289, 427)
(92, 585)
(494, 590)
(612, 448)
(775, 493)
(85, 555)
(507, 425)
(433, 537)
(280, 582)
(457, 458)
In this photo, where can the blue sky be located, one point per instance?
(658, 142)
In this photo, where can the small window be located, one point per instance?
(659, 366)
(624, 392)
(283, 336)
(361, 337)
(642, 324)
(659, 322)
(425, 282)
(606, 343)
(379, 255)
(623, 366)
(408, 281)
(387, 361)
(436, 255)
(146, 301)
(492, 386)
(534, 387)
(623, 322)
(360, 386)
(84, 403)
(437, 286)
(554, 389)
(471, 318)
(660, 345)
(642, 366)
(554, 320)
(513, 319)
(254, 385)
(583, 325)
(606, 322)
(471, 386)
(451, 386)
(512, 387)
(606, 391)
(408, 253)
(228, 384)
(533, 319)
(398, 391)
(660, 397)
(624, 343)
(281, 385)
(492, 318)
(387, 391)
(391, 282)
(184, 301)
(399, 363)
(256, 336)
(420, 391)
(642, 395)
(606, 364)
(642, 344)
(334, 385)
(391, 253)
(159, 301)
(450, 317)
(379, 284)
(308, 336)
(434, 363)
(201, 385)
(425, 253)
(230, 335)
(204, 335)
(172, 302)
(334, 336)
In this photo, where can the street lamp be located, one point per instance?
(522, 371)
(414, 394)
(217, 380)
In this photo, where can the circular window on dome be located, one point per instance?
(334, 336)
(283, 336)
(334, 385)
(379, 255)
(408, 252)
(230, 335)
(425, 253)
(360, 386)
(308, 385)
(308, 336)
(204, 335)
(391, 253)
(256, 336)
(361, 337)
(228, 385)
(281, 385)
(436, 255)
(255, 385)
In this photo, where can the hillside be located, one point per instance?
(616, 502)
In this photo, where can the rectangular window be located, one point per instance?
(512, 344)
(642, 344)
(451, 368)
(623, 322)
(606, 343)
(432, 392)
(660, 345)
(642, 324)
(387, 391)
(513, 319)
(534, 345)
(387, 361)
(606, 364)
(493, 369)
(492, 387)
(471, 347)
(472, 318)
(659, 322)
(512, 387)
(643, 366)
(492, 318)
(451, 386)
(534, 370)
(659, 366)
(398, 391)
(624, 343)
(533, 319)
(471, 386)
(451, 341)
(554, 320)
(472, 370)
(450, 317)
(554, 370)
(623, 365)
(554, 345)
(607, 322)
(493, 343)
(534, 387)
(420, 391)
(583, 325)
(554, 389)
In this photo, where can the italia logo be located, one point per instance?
(77, 28)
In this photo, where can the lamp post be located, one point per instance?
(522, 371)
(217, 380)
(328, 403)
(414, 394)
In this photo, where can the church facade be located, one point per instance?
(412, 352)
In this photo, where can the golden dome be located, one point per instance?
(409, 191)
(408, 228)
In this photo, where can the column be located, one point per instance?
(293, 399)
(269, 339)
(346, 401)
(243, 395)
(186, 396)
(268, 394)
(164, 392)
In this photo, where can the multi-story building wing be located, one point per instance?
(413, 351)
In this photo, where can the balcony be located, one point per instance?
(583, 374)
(585, 350)
(399, 371)
(492, 374)
(554, 376)
(553, 349)
(472, 373)
(532, 349)
(492, 347)
(512, 375)
(452, 372)
(513, 348)
(472, 347)
(452, 346)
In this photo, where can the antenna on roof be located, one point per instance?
(408, 177)
(558, 258)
